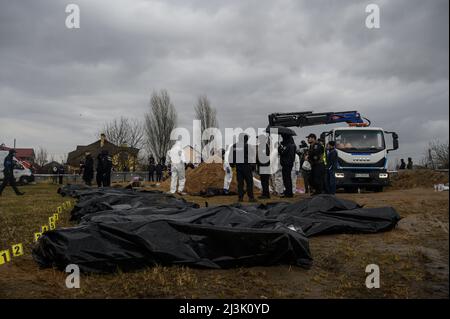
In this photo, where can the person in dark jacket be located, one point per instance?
(99, 175)
(88, 169)
(332, 164)
(151, 169)
(159, 172)
(402, 164)
(8, 173)
(410, 163)
(107, 167)
(61, 172)
(243, 156)
(287, 151)
(104, 166)
(263, 162)
(315, 156)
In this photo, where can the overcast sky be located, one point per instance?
(251, 58)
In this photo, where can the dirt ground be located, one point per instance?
(413, 258)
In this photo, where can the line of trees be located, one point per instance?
(436, 155)
(153, 133)
(124, 131)
(42, 157)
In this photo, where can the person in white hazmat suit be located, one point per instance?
(228, 171)
(294, 173)
(176, 159)
(275, 167)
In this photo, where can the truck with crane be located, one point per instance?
(362, 149)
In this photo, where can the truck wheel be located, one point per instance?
(351, 189)
(378, 189)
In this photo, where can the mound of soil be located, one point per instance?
(206, 175)
(425, 178)
(211, 175)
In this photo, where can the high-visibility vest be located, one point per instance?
(324, 156)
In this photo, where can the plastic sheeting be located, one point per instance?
(92, 200)
(129, 230)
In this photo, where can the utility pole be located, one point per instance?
(14, 143)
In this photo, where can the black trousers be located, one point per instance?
(330, 182)
(244, 174)
(151, 175)
(306, 179)
(158, 177)
(99, 178)
(265, 178)
(318, 177)
(9, 179)
(287, 180)
(106, 179)
(87, 180)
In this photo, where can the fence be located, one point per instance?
(76, 179)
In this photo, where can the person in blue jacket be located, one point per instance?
(8, 173)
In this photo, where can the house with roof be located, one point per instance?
(123, 156)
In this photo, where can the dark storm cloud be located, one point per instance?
(58, 86)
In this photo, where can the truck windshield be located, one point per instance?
(359, 140)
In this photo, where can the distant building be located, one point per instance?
(48, 168)
(24, 154)
(124, 157)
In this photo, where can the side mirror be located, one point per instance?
(323, 135)
(394, 141)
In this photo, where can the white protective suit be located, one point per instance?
(227, 168)
(175, 157)
(295, 169)
(275, 170)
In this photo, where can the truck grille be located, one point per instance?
(381, 163)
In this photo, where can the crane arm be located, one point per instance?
(301, 119)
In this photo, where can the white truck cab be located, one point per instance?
(362, 156)
(22, 174)
(362, 150)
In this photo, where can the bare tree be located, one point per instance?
(438, 154)
(205, 113)
(159, 123)
(41, 156)
(125, 131)
(207, 116)
(136, 134)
